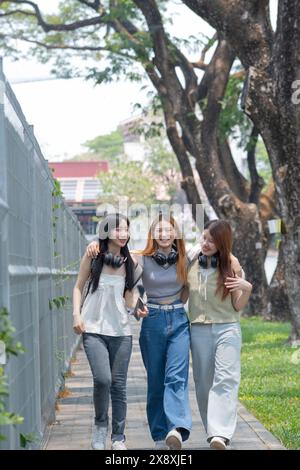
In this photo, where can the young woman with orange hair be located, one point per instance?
(165, 333)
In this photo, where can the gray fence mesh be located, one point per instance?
(41, 245)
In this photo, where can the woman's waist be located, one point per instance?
(204, 314)
(167, 300)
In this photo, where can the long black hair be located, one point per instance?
(110, 222)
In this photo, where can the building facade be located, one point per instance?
(81, 187)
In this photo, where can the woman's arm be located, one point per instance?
(239, 288)
(83, 275)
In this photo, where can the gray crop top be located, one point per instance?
(159, 282)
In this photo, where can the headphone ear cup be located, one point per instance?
(202, 261)
(107, 258)
(173, 257)
(214, 261)
(118, 261)
(160, 258)
(113, 261)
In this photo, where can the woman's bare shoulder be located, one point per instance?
(237, 268)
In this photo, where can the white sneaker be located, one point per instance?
(99, 438)
(118, 445)
(218, 443)
(160, 445)
(174, 440)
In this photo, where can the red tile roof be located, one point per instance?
(78, 169)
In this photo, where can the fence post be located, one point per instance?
(28, 142)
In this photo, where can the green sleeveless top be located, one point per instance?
(204, 305)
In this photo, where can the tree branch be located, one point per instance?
(94, 5)
(238, 183)
(72, 47)
(57, 27)
(245, 24)
(257, 182)
(16, 12)
(167, 57)
(200, 64)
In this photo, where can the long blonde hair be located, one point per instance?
(152, 246)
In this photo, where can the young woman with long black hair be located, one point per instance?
(104, 325)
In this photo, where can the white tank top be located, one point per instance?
(104, 311)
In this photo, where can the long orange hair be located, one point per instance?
(221, 233)
(152, 246)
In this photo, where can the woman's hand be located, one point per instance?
(78, 325)
(92, 250)
(237, 283)
(143, 312)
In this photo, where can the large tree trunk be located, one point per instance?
(273, 64)
(278, 306)
(278, 300)
(248, 248)
(286, 71)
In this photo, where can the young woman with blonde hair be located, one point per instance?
(165, 335)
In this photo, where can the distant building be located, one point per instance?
(81, 189)
(134, 141)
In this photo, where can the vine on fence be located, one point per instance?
(9, 347)
(58, 302)
(56, 193)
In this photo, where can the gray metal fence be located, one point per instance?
(41, 243)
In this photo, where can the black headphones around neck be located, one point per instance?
(203, 261)
(115, 261)
(162, 259)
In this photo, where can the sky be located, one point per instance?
(67, 113)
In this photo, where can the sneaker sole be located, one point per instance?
(173, 443)
(217, 446)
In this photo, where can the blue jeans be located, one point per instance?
(109, 357)
(165, 343)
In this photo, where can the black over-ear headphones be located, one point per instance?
(203, 261)
(162, 259)
(114, 261)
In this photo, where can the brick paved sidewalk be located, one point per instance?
(74, 419)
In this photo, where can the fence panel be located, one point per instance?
(41, 245)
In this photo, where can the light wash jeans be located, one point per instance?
(165, 342)
(216, 369)
(109, 358)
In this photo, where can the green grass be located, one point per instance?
(270, 386)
